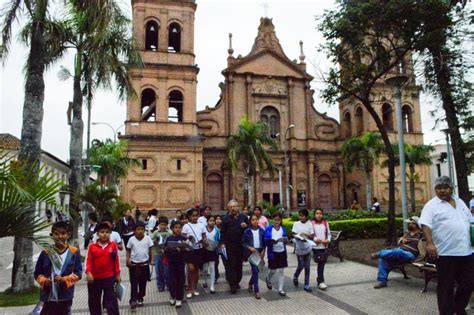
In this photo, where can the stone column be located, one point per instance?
(248, 85)
(310, 192)
(290, 106)
(294, 192)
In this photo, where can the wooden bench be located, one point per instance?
(334, 245)
(428, 269)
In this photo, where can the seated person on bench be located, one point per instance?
(405, 253)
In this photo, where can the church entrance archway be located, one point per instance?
(214, 191)
(324, 192)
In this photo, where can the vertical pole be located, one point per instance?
(401, 150)
(280, 186)
(287, 181)
(450, 160)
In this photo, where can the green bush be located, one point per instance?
(349, 215)
(357, 228)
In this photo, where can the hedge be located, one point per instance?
(358, 228)
(349, 215)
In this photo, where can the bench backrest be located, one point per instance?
(335, 235)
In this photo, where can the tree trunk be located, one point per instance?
(392, 228)
(75, 150)
(30, 145)
(412, 187)
(368, 190)
(441, 60)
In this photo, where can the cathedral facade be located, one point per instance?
(183, 151)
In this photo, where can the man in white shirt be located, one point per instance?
(446, 221)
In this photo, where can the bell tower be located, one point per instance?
(161, 126)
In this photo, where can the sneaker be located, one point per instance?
(269, 284)
(204, 285)
(322, 286)
(178, 304)
(196, 293)
(307, 288)
(140, 302)
(212, 291)
(133, 304)
(295, 282)
(380, 285)
(282, 293)
(233, 291)
(257, 296)
(189, 295)
(172, 302)
(161, 289)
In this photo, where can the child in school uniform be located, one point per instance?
(197, 232)
(322, 237)
(253, 241)
(103, 271)
(219, 255)
(57, 280)
(210, 253)
(161, 269)
(303, 230)
(175, 258)
(276, 252)
(139, 258)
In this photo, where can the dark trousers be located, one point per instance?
(55, 308)
(176, 280)
(233, 266)
(254, 279)
(453, 270)
(216, 267)
(321, 260)
(304, 262)
(125, 239)
(107, 286)
(139, 275)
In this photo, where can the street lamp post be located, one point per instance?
(397, 82)
(287, 171)
(114, 130)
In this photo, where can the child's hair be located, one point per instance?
(303, 212)
(178, 211)
(190, 212)
(217, 216)
(163, 219)
(251, 216)
(60, 225)
(277, 215)
(103, 226)
(174, 223)
(139, 224)
(107, 217)
(92, 216)
(181, 217)
(211, 217)
(153, 212)
(257, 208)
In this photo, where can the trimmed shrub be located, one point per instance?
(349, 215)
(357, 228)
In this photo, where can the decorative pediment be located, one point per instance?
(269, 87)
(266, 38)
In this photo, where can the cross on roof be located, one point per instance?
(266, 8)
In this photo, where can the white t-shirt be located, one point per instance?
(277, 234)
(302, 248)
(195, 230)
(319, 231)
(151, 224)
(450, 227)
(202, 220)
(256, 238)
(114, 236)
(139, 249)
(62, 257)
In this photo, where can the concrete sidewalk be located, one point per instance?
(350, 292)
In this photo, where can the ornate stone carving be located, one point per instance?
(269, 87)
(179, 195)
(326, 131)
(266, 38)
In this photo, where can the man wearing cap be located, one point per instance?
(405, 253)
(446, 221)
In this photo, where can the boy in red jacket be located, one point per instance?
(102, 271)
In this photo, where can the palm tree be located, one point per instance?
(43, 37)
(414, 155)
(102, 198)
(112, 159)
(249, 146)
(98, 32)
(363, 152)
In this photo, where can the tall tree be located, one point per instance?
(249, 147)
(99, 33)
(363, 152)
(43, 36)
(112, 159)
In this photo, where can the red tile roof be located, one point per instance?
(7, 141)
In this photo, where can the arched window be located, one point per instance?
(151, 35)
(174, 37)
(175, 106)
(387, 117)
(359, 120)
(148, 105)
(271, 117)
(347, 125)
(407, 115)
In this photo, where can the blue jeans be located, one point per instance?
(304, 261)
(254, 278)
(161, 272)
(387, 257)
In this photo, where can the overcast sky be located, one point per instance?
(294, 20)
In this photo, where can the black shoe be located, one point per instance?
(295, 282)
(212, 291)
(307, 288)
(250, 289)
(133, 304)
(140, 302)
(161, 289)
(269, 284)
(238, 286)
(204, 285)
(233, 291)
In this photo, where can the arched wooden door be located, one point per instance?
(324, 192)
(214, 191)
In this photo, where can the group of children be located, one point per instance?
(178, 251)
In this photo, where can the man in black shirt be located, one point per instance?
(233, 226)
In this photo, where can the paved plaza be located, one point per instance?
(350, 292)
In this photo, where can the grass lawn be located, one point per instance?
(7, 298)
